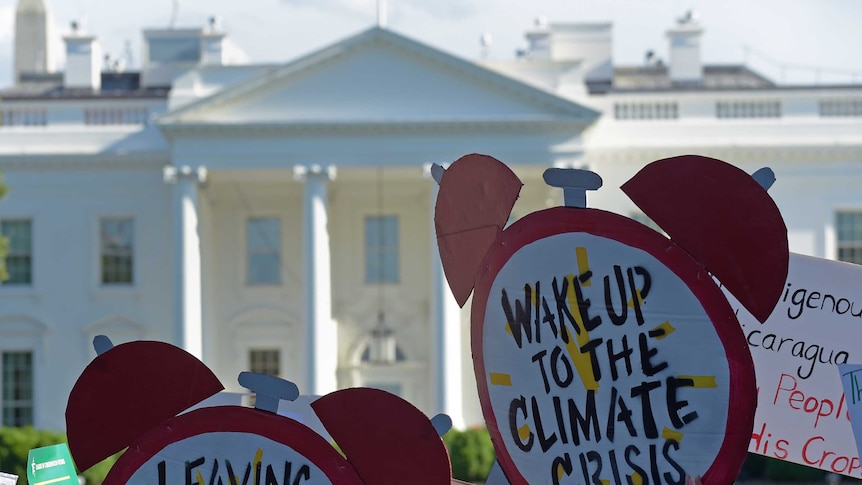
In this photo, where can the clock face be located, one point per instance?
(603, 352)
(228, 458)
(231, 445)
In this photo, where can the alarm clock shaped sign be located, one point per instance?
(132, 397)
(604, 352)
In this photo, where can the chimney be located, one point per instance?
(83, 61)
(590, 43)
(539, 39)
(212, 43)
(685, 64)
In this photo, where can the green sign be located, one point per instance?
(51, 465)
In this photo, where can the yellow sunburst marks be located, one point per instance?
(578, 339)
(524, 432)
(701, 381)
(672, 435)
(662, 331)
(583, 263)
(500, 379)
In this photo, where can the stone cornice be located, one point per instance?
(82, 161)
(767, 154)
(521, 125)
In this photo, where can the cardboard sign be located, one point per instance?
(802, 415)
(383, 438)
(215, 444)
(851, 379)
(51, 465)
(129, 389)
(604, 352)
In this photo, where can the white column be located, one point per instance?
(188, 322)
(446, 335)
(321, 336)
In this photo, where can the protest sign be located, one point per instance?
(8, 479)
(217, 444)
(607, 355)
(604, 352)
(802, 415)
(51, 465)
(382, 438)
(851, 379)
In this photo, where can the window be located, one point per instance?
(17, 388)
(117, 251)
(116, 116)
(19, 258)
(365, 358)
(23, 117)
(849, 228)
(265, 362)
(661, 110)
(381, 249)
(175, 49)
(748, 109)
(841, 107)
(263, 246)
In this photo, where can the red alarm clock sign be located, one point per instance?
(603, 351)
(232, 445)
(132, 396)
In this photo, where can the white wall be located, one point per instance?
(66, 305)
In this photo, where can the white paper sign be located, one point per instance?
(219, 457)
(851, 378)
(8, 479)
(624, 406)
(802, 415)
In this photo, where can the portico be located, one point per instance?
(313, 174)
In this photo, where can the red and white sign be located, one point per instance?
(603, 351)
(231, 444)
(802, 415)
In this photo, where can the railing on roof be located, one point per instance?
(116, 116)
(23, 117)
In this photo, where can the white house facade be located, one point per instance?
(279, 218)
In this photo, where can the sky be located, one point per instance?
(789, 41)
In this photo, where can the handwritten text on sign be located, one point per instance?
(229, 458)
(600, 363)
(851, 379)
(802, 414)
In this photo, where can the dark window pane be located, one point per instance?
(117, 250)
(17, 388)
(19, 258)
(381, 249)
(263, 247)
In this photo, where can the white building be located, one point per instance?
(279, 217)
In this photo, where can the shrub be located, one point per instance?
(96, 474)
(785, 471)
(16, 443)
(754, 467)
(762, 468)
(471, 453)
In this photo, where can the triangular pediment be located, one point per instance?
(378, 77)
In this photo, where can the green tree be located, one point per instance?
(16, 443)
(471, 453)
(4, 242)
